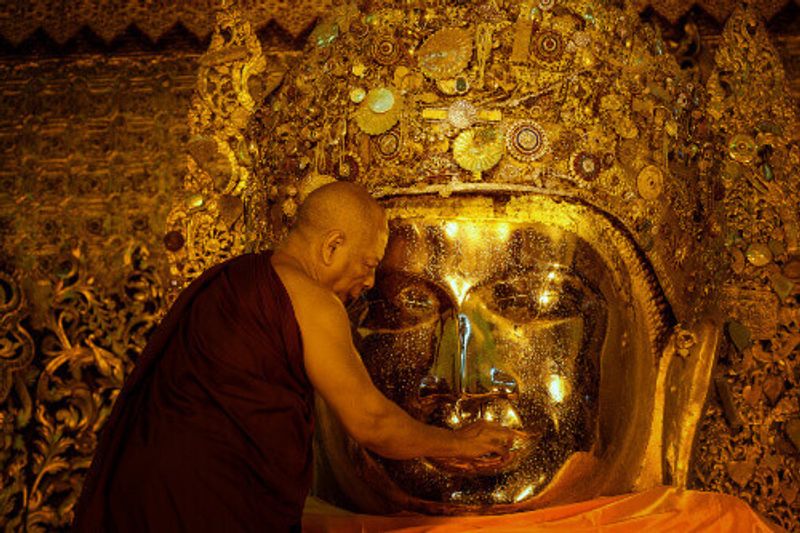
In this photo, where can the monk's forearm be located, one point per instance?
(396, 435)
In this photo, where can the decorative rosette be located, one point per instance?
(379, 111)
(526, 141)
(650, 182)
(548, 46)
(445, 53)
(586, 165)
(462, 114)
(385, 48)
(388, 144)
(479, 149)
(742, 148)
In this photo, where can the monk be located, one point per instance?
(212, 430)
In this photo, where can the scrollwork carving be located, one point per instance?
(748, 441)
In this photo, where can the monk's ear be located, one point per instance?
(331, 244)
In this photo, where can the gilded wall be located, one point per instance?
(90, 164)
(96, 143)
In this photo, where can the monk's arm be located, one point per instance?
(339, 376)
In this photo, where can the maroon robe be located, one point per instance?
(212, 430)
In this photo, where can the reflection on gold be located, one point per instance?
(503, 231)
(524, 494)
(511, 418)
(460, 287)
(557, 388)
(454, 420)
(474, 233)
(545, 297)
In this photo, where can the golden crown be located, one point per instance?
(497, 98)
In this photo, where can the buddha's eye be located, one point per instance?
(400, 301)
(533, 296)
(416, 300)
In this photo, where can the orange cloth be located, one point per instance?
(660, 509)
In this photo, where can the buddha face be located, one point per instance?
(488, 320)
(517, 322)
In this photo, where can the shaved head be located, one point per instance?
(341, 206)
(338, 239)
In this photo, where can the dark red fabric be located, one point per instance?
(212, 430)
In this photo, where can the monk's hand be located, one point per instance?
(486, 442)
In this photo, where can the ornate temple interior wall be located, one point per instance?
(96, 137)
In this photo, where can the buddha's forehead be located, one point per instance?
(477, 248)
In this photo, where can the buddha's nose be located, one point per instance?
(466, 384)
(463, 370)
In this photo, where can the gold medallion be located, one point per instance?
(479, 149)
(742, 148)
(379, 111)
(650, 182)
(526, 141)
(446, 53)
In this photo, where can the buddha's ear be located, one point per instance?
(331, 244)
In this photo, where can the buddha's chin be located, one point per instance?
(488, 465)
(522, 494)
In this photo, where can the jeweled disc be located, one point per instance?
(526, 141)
(446, 53)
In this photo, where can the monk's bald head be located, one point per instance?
(340, 206)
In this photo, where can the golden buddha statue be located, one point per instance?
(553, 261)
(542, 269)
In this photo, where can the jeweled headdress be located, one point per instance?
(570, 100)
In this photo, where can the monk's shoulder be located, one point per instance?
(312, 303)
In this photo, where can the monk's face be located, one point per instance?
(363, 253)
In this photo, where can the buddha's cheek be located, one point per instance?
(398, 361)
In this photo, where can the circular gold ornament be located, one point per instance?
(546, 5)
(586, 165)
(380, 100)
(445, 53)
(462, 114)
(379, 111)
(357, 95)
(526, 141)
(759, 255)
(174, 240)
(385, 49)
(548, 46)
(479, 149)
(650, 182)
(388, 144)
(742, 148)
